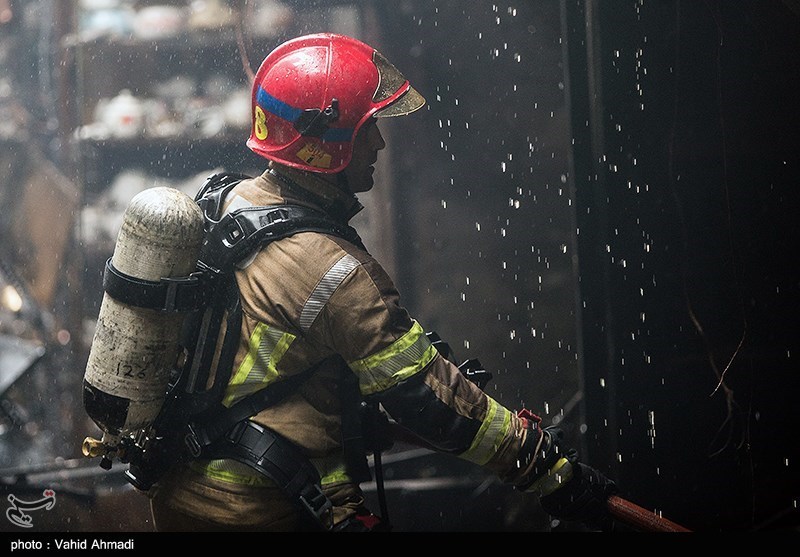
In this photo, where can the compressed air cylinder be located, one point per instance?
(134, 349)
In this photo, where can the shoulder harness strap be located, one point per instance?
(231, 237)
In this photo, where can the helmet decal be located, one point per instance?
(315, 156)
(280, 109)
(260, 124)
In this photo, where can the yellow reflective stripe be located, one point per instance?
(259, 367)
(400, 360)
(339, 476)
(493, 430)
(231, 471)
(331, 469)
(559, 474)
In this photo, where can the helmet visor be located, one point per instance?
(390, 82)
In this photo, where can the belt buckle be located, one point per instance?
(318, 504)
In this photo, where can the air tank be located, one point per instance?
(134, 348)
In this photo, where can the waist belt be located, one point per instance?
(277, 458)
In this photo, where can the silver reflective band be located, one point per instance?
(237, 202)
(325, 289)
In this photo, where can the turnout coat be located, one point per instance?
(316, 300)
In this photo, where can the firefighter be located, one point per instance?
(315, 301)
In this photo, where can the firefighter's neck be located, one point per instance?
(339, 180)
(330, 190)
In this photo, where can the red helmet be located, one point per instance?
(312, 94)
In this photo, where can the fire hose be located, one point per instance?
(640, 518)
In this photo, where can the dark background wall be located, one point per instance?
(682, 159)
(686, 180)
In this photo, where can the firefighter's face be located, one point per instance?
(365, 153)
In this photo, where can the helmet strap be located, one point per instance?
(315, 122)
(342, 182)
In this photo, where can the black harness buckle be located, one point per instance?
(192, 443)
(317, 503)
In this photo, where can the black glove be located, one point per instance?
(582, 498)
(571, 490)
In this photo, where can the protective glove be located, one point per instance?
(571, 490)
